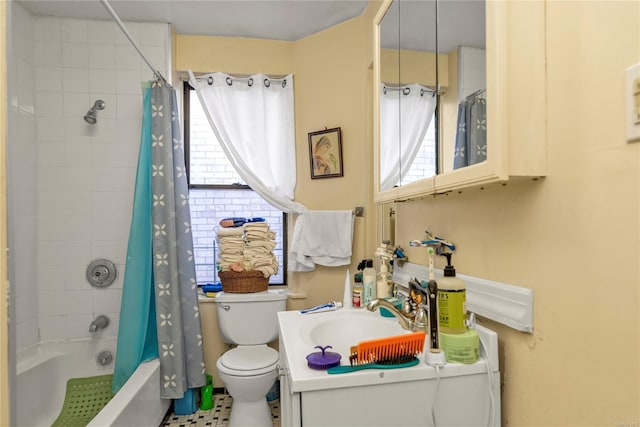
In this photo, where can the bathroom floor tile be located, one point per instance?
(216, 417)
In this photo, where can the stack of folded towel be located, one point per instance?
(231, 244)
(258, 250)
(249, 247)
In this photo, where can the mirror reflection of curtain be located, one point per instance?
(254, 122)
(471, 134)
(405, 115)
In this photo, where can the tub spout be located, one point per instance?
(98, 323)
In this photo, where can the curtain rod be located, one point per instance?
(115, 16)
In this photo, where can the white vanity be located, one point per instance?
(465, 395)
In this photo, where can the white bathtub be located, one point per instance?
(43, 371)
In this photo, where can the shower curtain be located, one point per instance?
(159, 315)
(471, 135)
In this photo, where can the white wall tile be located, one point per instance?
(75, 80)
(106, 300)
(107, 249)
(52, 278)
(102, 56)
(102, 32)
(49, 104)
(51, 254)
(110, 101)
(130, 107)
(51, 179)
(78, 252)
(76, 105)
(78, 153)
(25, 85)
(80, 302)
(73, 30)
(48, 54)
(26, 307)
(85, 173)
(48, 79)
(53, 328)
(153, 35)
(127, 58)
(47, 28)
(51, 154)
(50, 129)
(53, 303)
(51, 228)
(28, 333)
(76, 278)
(134, 29)
(102, 81)
(75, 55)
(128, 82)
(78, 325)
(22, 45)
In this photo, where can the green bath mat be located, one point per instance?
(84, 398)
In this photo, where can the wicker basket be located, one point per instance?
(243, 282)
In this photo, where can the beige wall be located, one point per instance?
(572, 237)
(333, 80)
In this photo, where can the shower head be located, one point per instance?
(90, 117)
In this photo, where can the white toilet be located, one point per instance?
(250, 369)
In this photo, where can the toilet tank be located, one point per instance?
(250, 319)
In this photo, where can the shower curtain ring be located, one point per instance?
(284, 83)
(229, 81)
(267, 83)
(250, 82)
(210, 80)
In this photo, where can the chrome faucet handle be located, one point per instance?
(421, 322)
(407, 307)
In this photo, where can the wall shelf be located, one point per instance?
(507, 304)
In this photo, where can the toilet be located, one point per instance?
(249, 370)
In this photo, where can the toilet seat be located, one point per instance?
(249, 360)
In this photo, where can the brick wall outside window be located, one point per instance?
(209, 165)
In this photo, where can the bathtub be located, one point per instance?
(43, 371)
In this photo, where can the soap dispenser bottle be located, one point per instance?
(452, 305)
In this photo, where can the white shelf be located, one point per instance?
(501, 302)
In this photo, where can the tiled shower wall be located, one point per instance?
(82, 175)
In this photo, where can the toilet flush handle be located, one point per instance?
(224, 306)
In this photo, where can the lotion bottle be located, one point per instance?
(452, 306)
(384, 282)
(369, 282)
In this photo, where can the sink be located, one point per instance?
(343, 330)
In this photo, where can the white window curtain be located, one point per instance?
(253, 118)
(405, 115)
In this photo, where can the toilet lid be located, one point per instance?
(249, 358)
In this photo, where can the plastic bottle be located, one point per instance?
(384, 282)
(369, 282)
(452, 308)
(358, 291)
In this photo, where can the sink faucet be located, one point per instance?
(413, 320)
(99, 322)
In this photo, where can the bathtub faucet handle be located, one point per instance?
(98, 323)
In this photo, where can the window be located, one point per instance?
(216, 191)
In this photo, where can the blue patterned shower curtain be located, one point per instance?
(161, 235)
(471, 135)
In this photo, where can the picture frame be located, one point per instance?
(325, 153)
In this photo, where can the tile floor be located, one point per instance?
(218, 416)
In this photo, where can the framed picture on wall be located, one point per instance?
(325, 153)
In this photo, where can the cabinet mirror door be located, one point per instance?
(430, 65)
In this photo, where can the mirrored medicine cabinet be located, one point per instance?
(442, 94)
